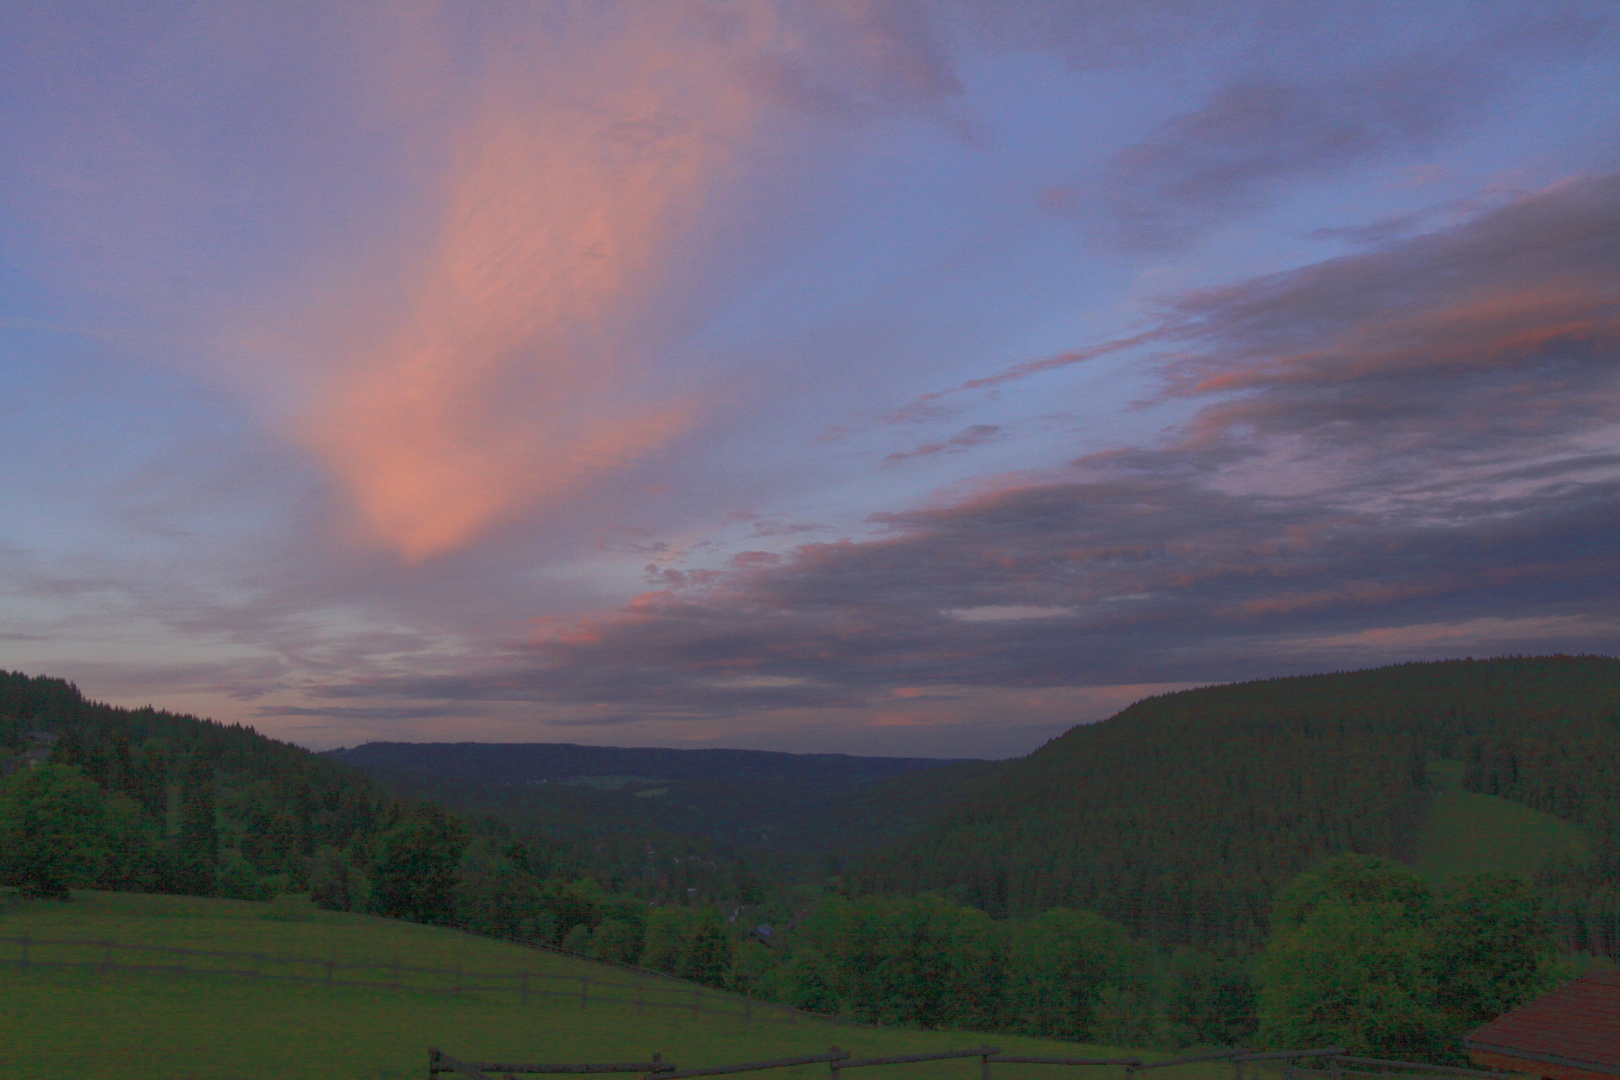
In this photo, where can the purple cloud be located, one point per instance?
(1391, 445)
(976, 435)
(1227, 158)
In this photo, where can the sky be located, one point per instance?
(863, 376)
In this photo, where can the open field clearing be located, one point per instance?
(1469, 833)
(104, 1017)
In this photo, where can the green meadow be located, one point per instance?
(1470, 833)
(218, 1020)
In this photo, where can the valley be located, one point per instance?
(1118, 888)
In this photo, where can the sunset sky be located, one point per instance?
(853, 375)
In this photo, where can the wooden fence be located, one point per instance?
(1339, 1066)
(640, 988)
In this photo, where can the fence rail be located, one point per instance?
(1189, 1060)
(1381, 1067)
(839, 1059)
(1450, 1070)
(754, 1066)
(1004, 1059)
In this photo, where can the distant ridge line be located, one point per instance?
(514, 762)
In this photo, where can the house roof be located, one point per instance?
(1577, 1025)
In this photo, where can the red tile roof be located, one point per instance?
(1576, 1025)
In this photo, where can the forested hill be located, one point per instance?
(1182, 815)
(181, 804)
(192, 805)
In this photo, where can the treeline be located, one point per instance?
(1181, 816)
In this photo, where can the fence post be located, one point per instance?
(433, 1064)
(1335, 1068)
(1237, 1069)
(833, 1064)
(984, 1064)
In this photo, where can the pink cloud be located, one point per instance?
(502, 372)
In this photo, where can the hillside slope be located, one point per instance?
(1467, 832)
(107, 1020)
(1180, 816)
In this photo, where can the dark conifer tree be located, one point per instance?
(198, 847)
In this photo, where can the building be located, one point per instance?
(1572, 1033)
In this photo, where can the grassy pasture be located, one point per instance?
(207, 1023)
(1470, 833)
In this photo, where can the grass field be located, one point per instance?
(1468, 833)
(88, 1022)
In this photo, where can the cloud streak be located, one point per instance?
(1387, 443)
(505, 373)
(1228, 158)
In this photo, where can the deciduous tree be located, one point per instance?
(52, 830)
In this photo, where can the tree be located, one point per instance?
(414, 863)
(689, 942)
(1057, 963)
(1495, 951)
(1365, 957)
(51, 830)
(1209, 999)
(132, 858)
(495, 896)
(614, 939)
(1359, 974)
(199, 829)
(922, 961)
(335, 883)
(144, 781)
(574, 903)
(1353, 879)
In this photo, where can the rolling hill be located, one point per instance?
(1181, 816)
(89, 1011)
